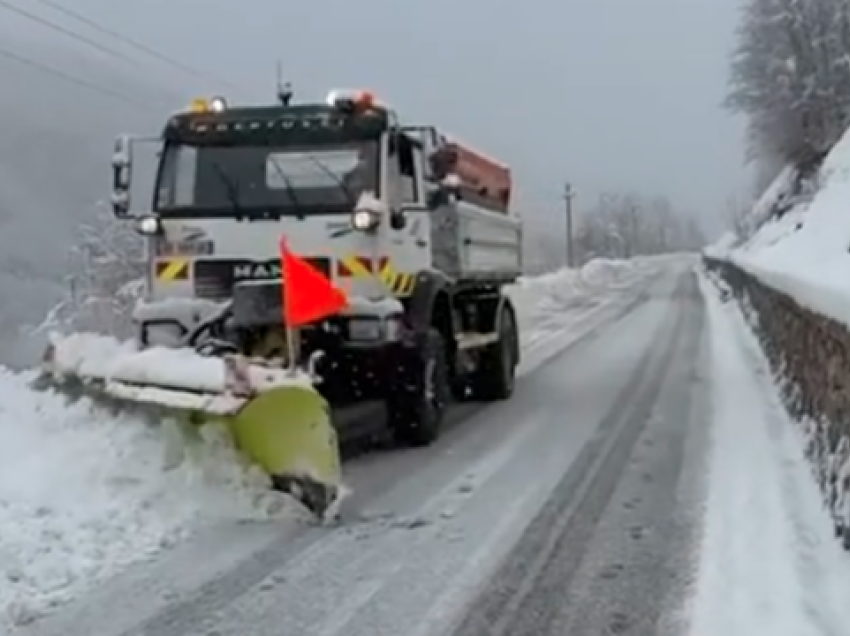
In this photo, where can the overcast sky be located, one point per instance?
(610, 93)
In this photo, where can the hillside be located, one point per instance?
(798, 236)
(54, 166)
(790, 272)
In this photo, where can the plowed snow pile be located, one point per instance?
(537, 298)
(85, 493)
(82, 495)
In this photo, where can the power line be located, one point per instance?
(130, 42)
(54, 72)
(68, 32)
(78, 81)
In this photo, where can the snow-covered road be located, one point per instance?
(84, 494)
(643, 480)
(608, 552)
(414, 516)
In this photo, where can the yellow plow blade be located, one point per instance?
(288, 432)
(279, 422)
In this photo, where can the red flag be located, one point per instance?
(308, 295)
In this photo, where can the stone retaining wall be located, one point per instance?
(810, 356)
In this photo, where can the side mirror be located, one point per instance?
(122, 175)
(398, 219)
(448, 190)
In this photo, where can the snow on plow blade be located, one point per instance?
(276, 418)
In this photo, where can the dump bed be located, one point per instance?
(484, 180)
(477, 237)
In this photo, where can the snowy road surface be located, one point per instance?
(87, 494)
(770, 562)
(641, 481)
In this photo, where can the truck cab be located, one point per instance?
(232, 181)
(415, 228)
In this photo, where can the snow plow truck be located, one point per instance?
(412, 225)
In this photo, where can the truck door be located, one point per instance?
(409, 246)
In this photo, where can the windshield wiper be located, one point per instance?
(231, 189)
(349, 195)
(290, 190)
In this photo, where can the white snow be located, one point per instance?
(90, 355)
(368, 202)
(85, 493)
(537, 297)
(770, 563)
(187, 311)
(806, 252)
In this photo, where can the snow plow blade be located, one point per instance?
(288, 432)
(275, 417)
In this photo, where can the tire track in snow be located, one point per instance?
(638, 566)
(528, 591)
(383, 580)
(230, 561)
(287, 554)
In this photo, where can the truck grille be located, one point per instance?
(214, 279)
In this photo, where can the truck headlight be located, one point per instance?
(364, 220)
(148, 225)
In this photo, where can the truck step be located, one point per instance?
(473, 340)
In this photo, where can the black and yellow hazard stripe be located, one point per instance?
(355, 267)
(399, 283)
(172, 270)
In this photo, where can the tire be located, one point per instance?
(417, 405)
(495, 377)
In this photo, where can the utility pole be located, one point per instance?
(635, 230)
(569, 195)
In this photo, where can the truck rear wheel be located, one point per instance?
(495, 377)
(417, 404)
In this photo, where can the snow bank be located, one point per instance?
(769, 562)
(723, 246)
(775, 196)
(83, 495)
(806, 252)
(760, 225)
(537, 296)
(594, 276)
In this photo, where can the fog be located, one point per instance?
(611, 94)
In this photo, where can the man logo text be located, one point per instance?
(257, 271)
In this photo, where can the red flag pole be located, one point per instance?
(308, 294)
(289, 331)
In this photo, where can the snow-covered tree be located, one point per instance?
(106, 278)
(790, 77)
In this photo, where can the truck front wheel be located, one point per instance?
(417, 403)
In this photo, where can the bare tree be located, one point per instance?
(627, 224)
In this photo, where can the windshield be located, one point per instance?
(206, 180)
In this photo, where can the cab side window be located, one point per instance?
(407, 169)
